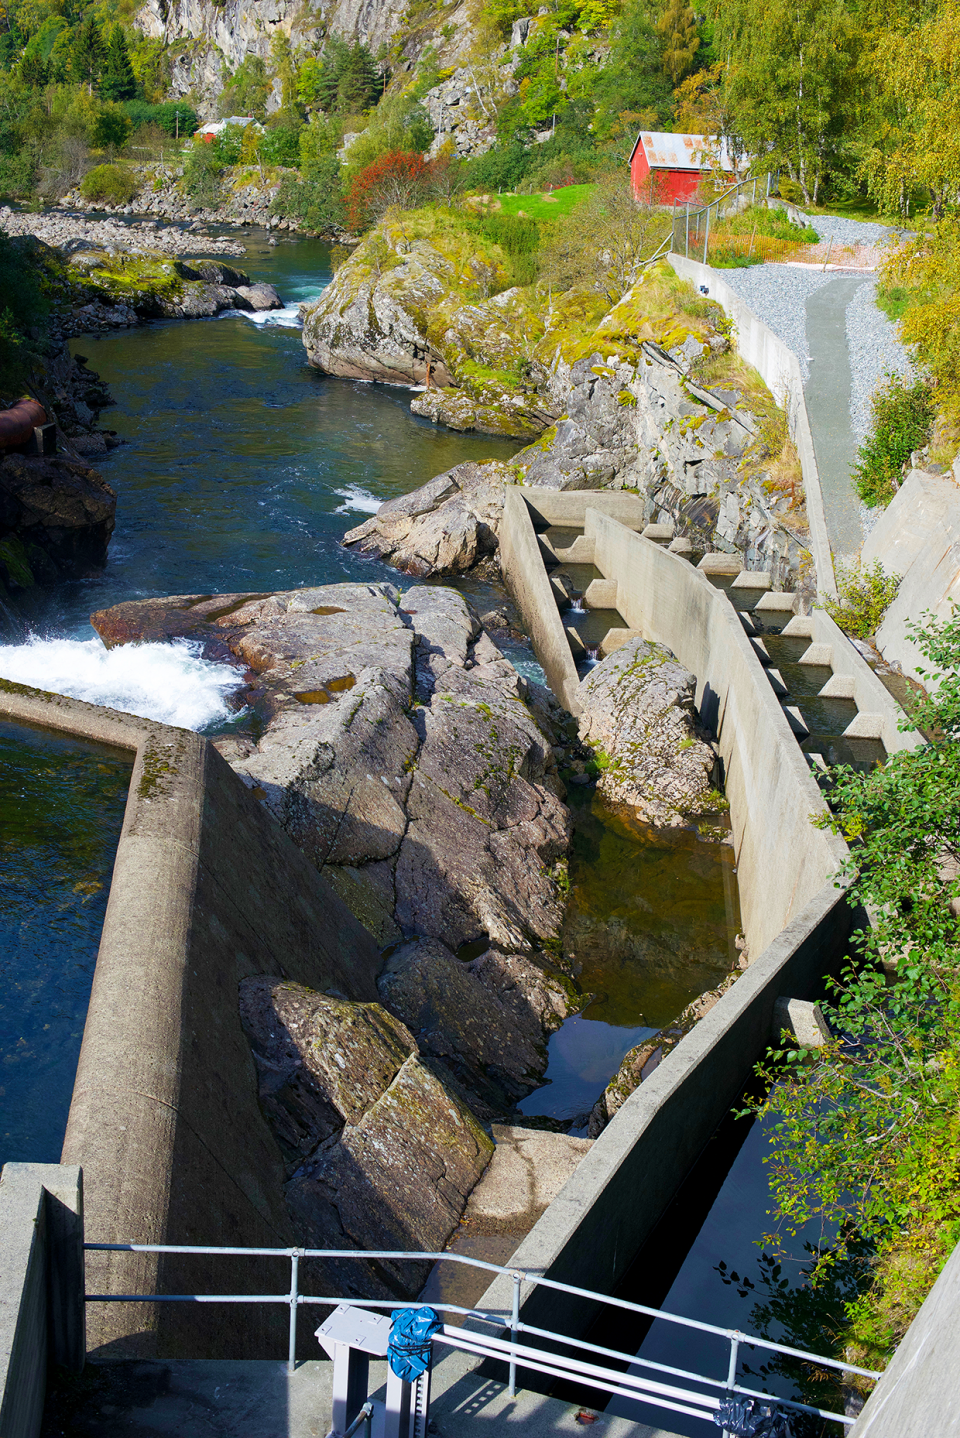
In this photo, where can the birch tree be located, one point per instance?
(788, 83)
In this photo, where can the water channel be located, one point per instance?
(241, 468)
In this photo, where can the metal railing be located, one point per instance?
(556, 1365)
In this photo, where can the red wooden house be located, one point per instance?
(667, 168)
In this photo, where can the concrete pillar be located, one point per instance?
(41, 1287)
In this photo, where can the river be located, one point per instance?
(241, 468)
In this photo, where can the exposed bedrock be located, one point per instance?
(639, 713)
(56, 519)
(444, 527)
(623, 426)
(379, 1151)
(400, 751)
(484, 1021)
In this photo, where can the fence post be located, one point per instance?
(514, 1321)
(706, 235)
(732, 1368)
(292, 1347)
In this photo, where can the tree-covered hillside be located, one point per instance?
(848, 99)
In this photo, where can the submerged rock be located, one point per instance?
(639, 714)
(637, 1065)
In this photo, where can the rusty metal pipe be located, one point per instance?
(19, 421)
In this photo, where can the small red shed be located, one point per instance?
(667, 168)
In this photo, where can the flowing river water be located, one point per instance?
(241, 469)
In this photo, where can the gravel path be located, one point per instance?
(875, 351)
(779, 294)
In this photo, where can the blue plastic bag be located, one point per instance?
(409, 1348)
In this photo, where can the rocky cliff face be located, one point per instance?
(648, 395)
(210, 40)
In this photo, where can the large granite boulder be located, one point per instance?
(380, 1153)
(56, 519)
(639, 714)
(486, 1019)
(427, 304)
(398, 751)
(444, 527)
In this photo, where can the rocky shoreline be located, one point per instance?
(61, 227)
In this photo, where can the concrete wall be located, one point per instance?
(779, 368)
(878, 713)
(918, 537)
(917, 1395)
(41, 1287)
(782, 860)
(594, 1228)
(207, 889)
(524, 574)
(569, 506)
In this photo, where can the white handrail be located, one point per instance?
(555, 1365)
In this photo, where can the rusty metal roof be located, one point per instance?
(684, 152)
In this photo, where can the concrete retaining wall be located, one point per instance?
(594, 1228)
(779, 369)
(207, 889)
(917, 1395)
(41, 1287)
(918, 537)
(524, 574)
(782, 860)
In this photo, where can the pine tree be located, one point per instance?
(89, 54)
(118, 81)
(34, 69)
(677, 27)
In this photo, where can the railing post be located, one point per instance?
(514, 1323)
(732, 1368)
(292, 1346)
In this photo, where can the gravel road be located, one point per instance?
(778, 294)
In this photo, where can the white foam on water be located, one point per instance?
(288, 318)
(171, 682)
(357, 501)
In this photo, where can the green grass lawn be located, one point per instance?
(546, 206)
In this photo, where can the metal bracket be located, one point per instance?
(351, 1337)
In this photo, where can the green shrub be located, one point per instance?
(114, 184)
(175, 118)
(22, 307)
(16, 174)
(315, 199)
(903, 415)
(864, 597)
(518, 238)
